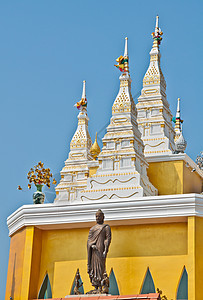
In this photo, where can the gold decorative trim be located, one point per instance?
(113, 181)
(108, 197)
(154, 145)
(121, 120)
(77, 155)
(151, 91)
(158, 151)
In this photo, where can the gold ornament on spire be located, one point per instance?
(95, 149)
(156, 35)
(83, 102)
(122, 61)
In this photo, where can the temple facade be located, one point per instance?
(149, 189)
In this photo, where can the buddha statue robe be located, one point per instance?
(98, 243)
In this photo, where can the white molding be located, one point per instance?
(139, 208)
(175, 157)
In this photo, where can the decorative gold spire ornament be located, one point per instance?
(83, 102)
(156, 35)
(123, 60)
(95, 149)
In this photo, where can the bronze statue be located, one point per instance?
(105, 284)
(98, 243)
(77, 283)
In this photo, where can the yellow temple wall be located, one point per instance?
(161, 247)
(192, 182)
(199, 257)
(15, 265)
(173, 177)
(35, 265)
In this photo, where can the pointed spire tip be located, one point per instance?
(126, 47)
(84, 90)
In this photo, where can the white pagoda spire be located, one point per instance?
(157, 25)
(126, 60)
(178, 109)
(126, 48)
(122, 171)
(177, 121)
(180, 142)
(74, 174)
(123, 61)
(81, 139)
(153, 113)
(84, 90)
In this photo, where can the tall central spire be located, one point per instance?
(153, 112)
(154, 74)
(122, 171)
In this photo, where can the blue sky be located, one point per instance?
(47, 48)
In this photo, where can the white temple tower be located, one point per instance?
(153, 113)
(122, 171)
(74, 174)
(180, 142)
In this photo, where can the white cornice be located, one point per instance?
(77, 214)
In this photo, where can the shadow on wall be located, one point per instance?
(13, 280)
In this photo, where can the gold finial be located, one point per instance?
(123, 64)
(156, 35)
(95, 149)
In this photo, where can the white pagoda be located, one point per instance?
(153, 113)
(122, 171)
(75, 173)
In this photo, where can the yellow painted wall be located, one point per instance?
(199, 257)
(167, 177)
(191, 259)
(23, 268)
(173, 177)
(27, 262)
(129, 272)
(15, 265)
(164, 248)
(192, 182)
(160, 246)
(35, 266)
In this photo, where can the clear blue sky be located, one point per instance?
(47, 48)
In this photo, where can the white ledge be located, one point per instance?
(65, 215)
